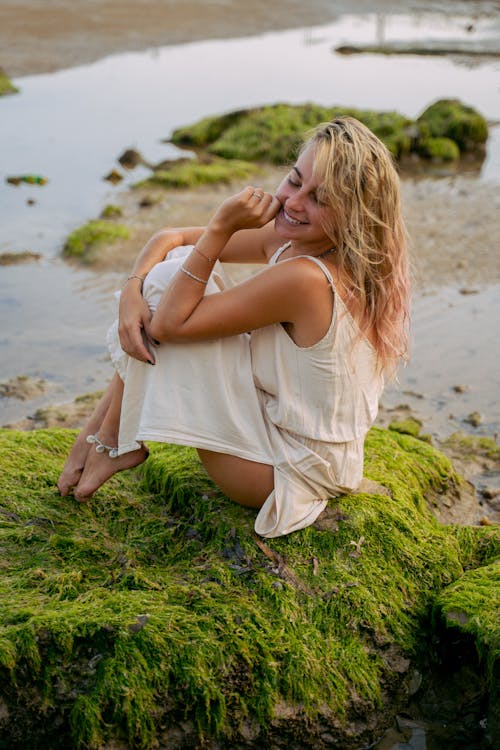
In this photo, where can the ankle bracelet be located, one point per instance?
(100, 447)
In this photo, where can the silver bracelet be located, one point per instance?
(192, 276)
(135, 276)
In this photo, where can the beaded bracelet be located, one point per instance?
(192, 276)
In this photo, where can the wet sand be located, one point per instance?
(39, 37)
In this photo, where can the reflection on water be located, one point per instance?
(71, 126)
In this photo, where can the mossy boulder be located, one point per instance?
(83, 243)
(6, 85)
(188, 173)
(153, 616)
(438, 149)
(449, 118)
(274, 133)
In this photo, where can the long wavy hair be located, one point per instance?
(358, 181)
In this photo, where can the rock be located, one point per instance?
(460, 388)
(130, 159)
(114, 176)
(84, 242)
(23, 388)
(30, 179)
(468, 290)
(6, 85)
(12, 259)
(474, 418)
(232, 642)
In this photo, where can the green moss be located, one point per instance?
(409, 426)
(439, 149)
(449, 118)
(154, 603)
(472, 605)
(187, 174)
(206, 130)
(86, 240)
(473, 445)
(274, 133)
(6, 85)
(111, 212)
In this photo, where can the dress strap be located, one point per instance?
(276, 255)
(323, 267)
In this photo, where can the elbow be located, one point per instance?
(163, 330)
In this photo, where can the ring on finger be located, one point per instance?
(257, 194)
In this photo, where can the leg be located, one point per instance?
(245, 482)
(75, 462)
(99, 467)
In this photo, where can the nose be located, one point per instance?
(295, 200)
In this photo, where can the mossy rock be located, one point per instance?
(111, 212)
(438, 149)
(192, 173)
(84, 242)
(6, 85)
(274, 133)
(449, 118)
(154, 613)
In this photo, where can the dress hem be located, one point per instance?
(208, 445)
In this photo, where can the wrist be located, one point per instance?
(218, 231)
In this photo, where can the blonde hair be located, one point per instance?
(358, 181)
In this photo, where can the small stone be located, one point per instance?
(146, 202)
(114, 176)
(460, 388)
(474, 418)
(467, 290)
(31, 201)
(130, 159)
(490, 492)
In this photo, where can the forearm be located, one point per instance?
(187, 288)
(158, 247)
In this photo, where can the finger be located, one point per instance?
(271, 209)
(135, 346)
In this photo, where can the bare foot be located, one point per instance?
(73, 468)
(99, 467)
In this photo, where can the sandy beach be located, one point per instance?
(40, 37)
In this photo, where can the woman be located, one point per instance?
(278, 415)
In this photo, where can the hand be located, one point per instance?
(133, 324)
(251, 208)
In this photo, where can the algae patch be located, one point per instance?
(189, 173)
(6, 85)
(84, 242)
(152, 612)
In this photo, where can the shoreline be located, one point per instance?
(35, 38)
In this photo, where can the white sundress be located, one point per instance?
(258, 396)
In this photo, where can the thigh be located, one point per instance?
(245, 482)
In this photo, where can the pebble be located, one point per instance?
(474, 418)
(460, 388)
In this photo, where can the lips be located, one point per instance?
(290, 220)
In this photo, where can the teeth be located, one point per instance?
(289, 218)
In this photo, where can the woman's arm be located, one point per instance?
(251, 245)
(288, 293)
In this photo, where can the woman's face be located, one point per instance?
(300, 216)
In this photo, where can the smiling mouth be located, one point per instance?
(290, 220)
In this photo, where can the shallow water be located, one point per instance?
(72, 125)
